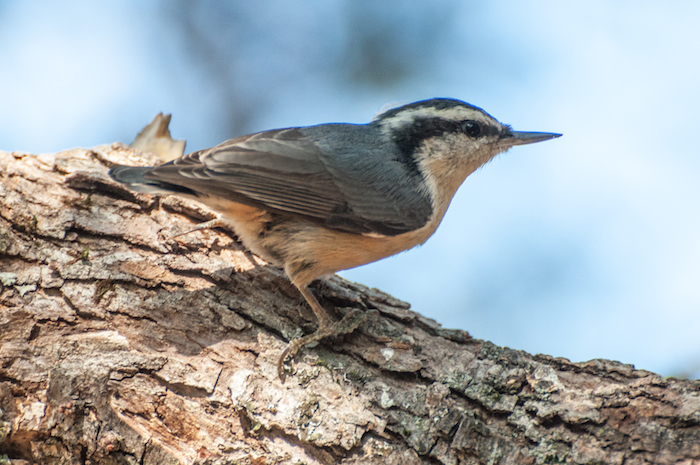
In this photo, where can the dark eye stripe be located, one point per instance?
(409, 137)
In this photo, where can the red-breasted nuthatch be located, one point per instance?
(319, 199)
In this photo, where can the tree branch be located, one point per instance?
(120, 346)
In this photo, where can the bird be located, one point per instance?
(315, 200)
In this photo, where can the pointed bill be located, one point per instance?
(521, 138)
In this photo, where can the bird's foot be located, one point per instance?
(347, 325)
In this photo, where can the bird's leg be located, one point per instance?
(215, 223)
(324, 320)
(326, 328)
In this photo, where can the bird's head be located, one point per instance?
(449, 139)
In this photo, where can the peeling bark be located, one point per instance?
(121, 346)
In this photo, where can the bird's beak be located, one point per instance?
(512, 138)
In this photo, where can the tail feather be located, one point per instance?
(136, 178)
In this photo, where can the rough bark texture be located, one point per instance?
(120, 346)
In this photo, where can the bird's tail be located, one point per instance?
(136, 177)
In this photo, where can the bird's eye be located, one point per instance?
(471, 128)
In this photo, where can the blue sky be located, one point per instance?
(583, 247)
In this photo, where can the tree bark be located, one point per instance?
(119, 345)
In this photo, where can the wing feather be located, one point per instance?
(290, 171)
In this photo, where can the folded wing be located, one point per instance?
(289, 171)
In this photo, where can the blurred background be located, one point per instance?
(584, 247)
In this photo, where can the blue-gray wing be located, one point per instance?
(329, 174)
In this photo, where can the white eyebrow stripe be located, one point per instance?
(455, 114)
